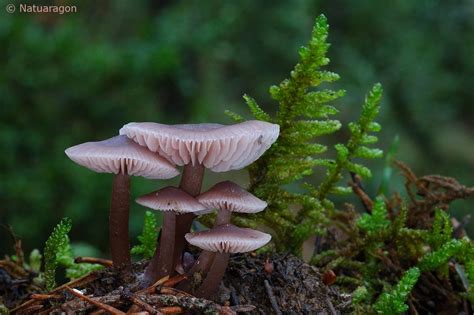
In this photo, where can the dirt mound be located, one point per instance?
(280, 283)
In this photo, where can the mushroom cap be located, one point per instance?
(171, 199)
(230, 196)
(119, 154)
(218, 147)
(228, 238)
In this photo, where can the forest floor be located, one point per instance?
(254, 284)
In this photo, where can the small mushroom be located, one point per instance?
(170, 200)
(227, 197)
(217, 147)
(223, 240)
(122, 157)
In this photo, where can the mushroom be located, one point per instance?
(197, 146)
(168, 199)
(227, 197)
(223, 240)
(122, 157)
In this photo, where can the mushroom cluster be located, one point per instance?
(153, 150)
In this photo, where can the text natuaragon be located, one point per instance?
(59, 9)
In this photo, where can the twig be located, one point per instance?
(234, 299)
(151, 289)
(77, 282)
(24, 306)
(139, 302)
(173, 291)
(93, 260)
(103, 306)
(33, 309)
(331, 306)
(171, 310)
(272, 298)
(360, 192)
(13, 268)
(45, 296)
(175, 280)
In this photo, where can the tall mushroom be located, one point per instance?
(217, 147)
(168, 199)
(122, 157)
(224, 240)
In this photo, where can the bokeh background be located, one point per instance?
(72, 78)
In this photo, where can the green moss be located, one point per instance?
(147, 239)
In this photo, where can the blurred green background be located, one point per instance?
(72, 78)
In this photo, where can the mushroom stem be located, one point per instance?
(161, 264)
(202, 265)
(214, 276)
(118, 221)
(205, 259)
(223, 217)
(191, 182)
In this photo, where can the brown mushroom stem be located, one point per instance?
(214, 276)
(202, 265)
(223, 217)
(161, 264)
(205, 259)
(191, 182)
(118, 221)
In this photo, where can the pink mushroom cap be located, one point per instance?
(121, 155)
(171, 199)
(230, 196)
(228, 238)
(218, 147)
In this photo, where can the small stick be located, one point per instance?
(105, 307)
(137, 301)
(13, 268)
(35, 296)
(171, 310)
(175, 280)
(173, 291)
(360, 192)
(331, 306)
(234, 299)
(272, 298)
(32, 309)
(151, 289)
(77, 282)
(24, 305)
(93, 260)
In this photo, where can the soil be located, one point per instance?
(294, 286)
(254, 284)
